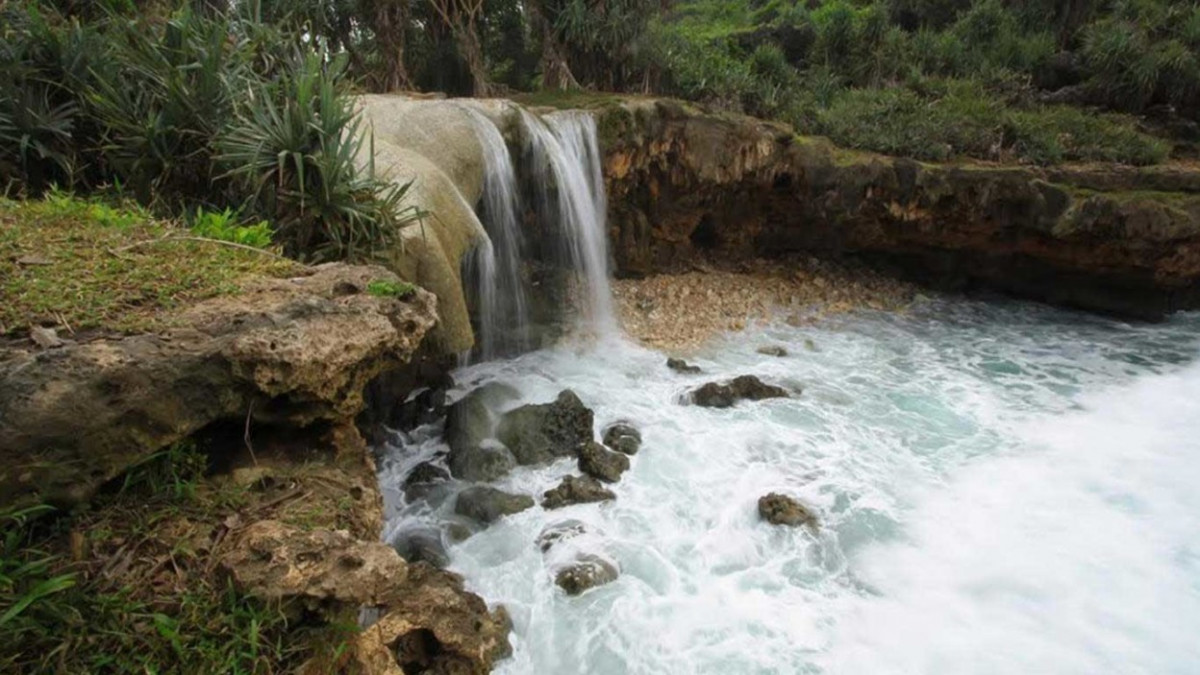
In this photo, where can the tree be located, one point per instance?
(462, 18)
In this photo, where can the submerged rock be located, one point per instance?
(487, 504)
(623, 437)
(576, 490)
(435, 626)
(587, 572)
(773, 350)
(743, 388)
(681, 366)
(779, 509)
(598, 462)
(540, 432)
(422, 544)
(560, 532)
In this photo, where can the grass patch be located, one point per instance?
(92, 267)
(390, 289)
(131, 584)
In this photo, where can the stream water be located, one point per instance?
(1002, 488)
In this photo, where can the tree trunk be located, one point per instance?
(556, 72)
(391, 23)
(467, 39)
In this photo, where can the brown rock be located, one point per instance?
(435, 626)
(586, 572)
(779, 509)
(598, 462)
(742, 388)
(576, 490)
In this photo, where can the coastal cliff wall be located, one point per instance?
(685, 184)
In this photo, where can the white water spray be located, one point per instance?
(566, 154)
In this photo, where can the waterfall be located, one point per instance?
(567, 156)
(496, 263)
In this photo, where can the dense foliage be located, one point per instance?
(188, 108)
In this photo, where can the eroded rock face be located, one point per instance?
(539, 433)
(487, 504)
(623, 437)
(586, 572)
(576, 490)
(284, 351)
(779, 509)
(684, 185)
(434, 627)
(275, 561)
(742, 388)
(598, 462)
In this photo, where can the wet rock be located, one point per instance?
(481, 463)
(559, 532)
(423, 478)
(576, 490)
(424, 407)
(623, 437)
(743, 388)
(274, 561)
(422, 544)
(470, 422)
(772, 350)
(538, 433)
(487, 504)
(779, 509)
(587, 572)
(596, 461)
(681, 366)
(435, 626)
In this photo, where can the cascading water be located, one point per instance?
(496, 263)
(1001, 487)
(566, 156)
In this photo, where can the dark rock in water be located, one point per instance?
(681, 366)
(538, 433)
(772, 350)
(623, 437)
(559, 532)
(425, 407)
(743, 388)
(481, 463)
(487, 504)
(596, 461)
(422, 544)
(779, 509)
(576, 490)
(458, 532)
(422, 478)
(470, 422)
(588, 571)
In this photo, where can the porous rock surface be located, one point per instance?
(741, 388)
(284, 351)
(576, 490)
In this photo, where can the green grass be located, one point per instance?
(132, 585)
(86, 266)
(390, 289)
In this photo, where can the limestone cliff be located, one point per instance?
(684, 183)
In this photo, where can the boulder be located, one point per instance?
(561, 531)
(539, 433)
(422, 544)
(422, 479)
(470, 422)
(743, 388)
(606, 465)
(681, 366)
(773, 350)
(487, 504)
(622, 437)
(586, 572)
(576, 490)
(779, 509)
(434, 626)
(482, 463)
